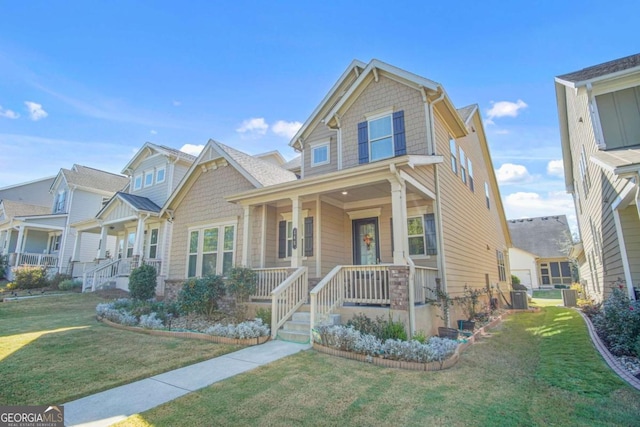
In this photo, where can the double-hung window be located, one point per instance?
(463, 166)
(211, 250)
(60, 202)
(502, 271)
(422, 235)
(470, 170)
(137, 182)
(382, 136)
(153, 244)
(160, 174)
(486, 195)
(454, 160)
(320, 154)
(148, 178)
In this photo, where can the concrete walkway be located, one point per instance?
(111, 406)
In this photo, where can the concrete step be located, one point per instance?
(296, 326)
(294, 336)
(301, 317)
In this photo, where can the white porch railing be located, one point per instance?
(46, 260)
(327, 296)
(94, 279)
(267, 280)
(287, 298)
(424, 280)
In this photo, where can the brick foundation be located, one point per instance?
(399, 287)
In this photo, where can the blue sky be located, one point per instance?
(90, 82)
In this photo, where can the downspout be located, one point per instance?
(441, 261)
(411, 265)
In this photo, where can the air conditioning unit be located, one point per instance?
(570, 297)
(519, 300)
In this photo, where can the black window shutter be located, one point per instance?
(282, 239)
(430, 234)
(399, 140)
(308, 236)
(363, 142)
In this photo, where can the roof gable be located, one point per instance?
(135, 203)
(149, 149)
(90, 179)
(545, 237)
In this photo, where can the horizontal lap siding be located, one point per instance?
(631, 227)
(334, 250)
(205, 204)
(385, 94)
(468, 226)
(157, 193)
(321, 134)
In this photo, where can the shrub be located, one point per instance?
(264, 314)
(470, 301)
(107, 311)
(150, 321)
(27, 277)
(69, 284)
(420, 336)
(241, 283)
(4, 264)
(244, 330)
(636, 347)
(142, 282)
(57, 279)
(380, 328)
(618, 324)
(201, 295)
(515, 280)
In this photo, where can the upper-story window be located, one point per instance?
(470, 170)
(584, 172)
(619, 114)
(463, 166)
(60, 201)
(320, 154)
(453, 150)
(381, 136)
(148, 178)
(160, 175)
(486, 195)
(137, 182)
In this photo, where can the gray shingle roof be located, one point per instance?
(293, 164)
(138, 202)
(600, 70)
(87, 177)
(465, 112)
(13, 209)
(266, 173)
(544, 236)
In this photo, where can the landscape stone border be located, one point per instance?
(190, 335)
(419, 366)
(607, 356)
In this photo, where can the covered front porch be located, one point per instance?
(367, 237)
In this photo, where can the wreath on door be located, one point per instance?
(367, 239)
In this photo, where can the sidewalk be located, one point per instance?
(111, 406)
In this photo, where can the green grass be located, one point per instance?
(52, 350)
(548, 294)
(537, 369)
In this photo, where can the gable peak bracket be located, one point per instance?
(375, 74)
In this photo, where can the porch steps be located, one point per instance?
(298, 328)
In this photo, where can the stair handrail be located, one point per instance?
(287, 298)
(95, 273)
(329, 293)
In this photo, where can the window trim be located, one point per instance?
(463, 166)
(220, 251)
(378, 116)
(502, 268)
(317, 146)
(453, 151)
(470, 173)
(137, 186)
(164, 175)
(486, 195)
(144, 181)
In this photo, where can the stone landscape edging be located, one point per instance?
(191, 335)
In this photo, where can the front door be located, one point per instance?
(366, 248)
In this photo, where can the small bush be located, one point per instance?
(4, 265)
(69, 284)
(28, 277)
(150, 321)
(264, 314)
(244, 330)
(142, 282)
(636, 347)
(380, 328)
(515, 280)
(618, 324)
(57, 279)
(241, 283)
(420, 336)
(201, 295)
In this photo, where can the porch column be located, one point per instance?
(102, 251)
(19, 241)
(76, 246)
(399, 213)
(138, 248)
(246, 237)
(296, 216)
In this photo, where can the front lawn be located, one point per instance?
(536, 369)
(52, 350)
(547, 294)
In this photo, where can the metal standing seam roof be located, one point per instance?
(603, 69)
(138, 202)
(87, 177)
(266, 173)
(541, 236)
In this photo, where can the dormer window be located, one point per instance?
(148, 179)
(382, 136)
(137, 182)
(320, 154)
(160, 175)
(60, 201)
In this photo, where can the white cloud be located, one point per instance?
(287, 129)
(556, 168)
(501, 131)
(510, 173)
(192, 149)
(36, 112)
(177, 103)
(505, 109)
(9, 114)
(254, 127)
(153, 132)
(530, 205)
